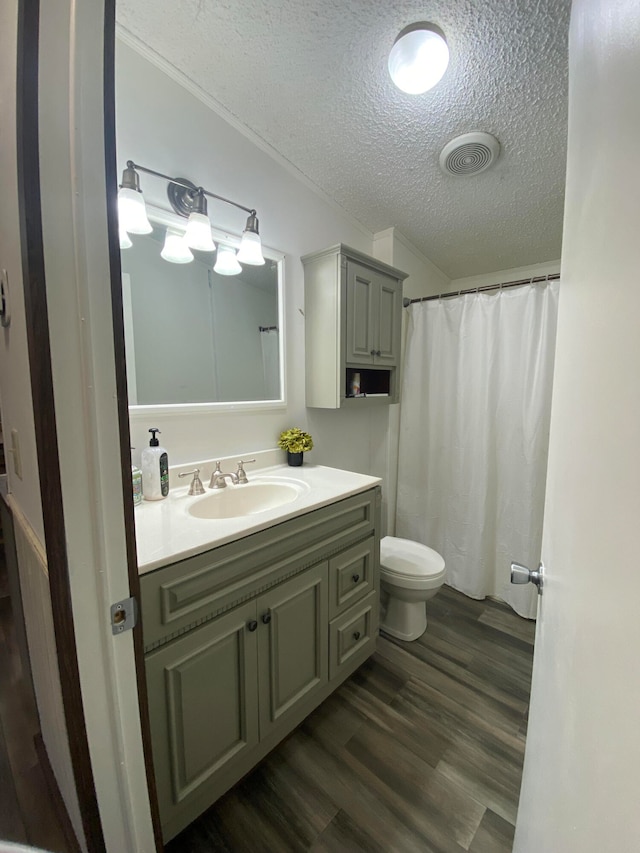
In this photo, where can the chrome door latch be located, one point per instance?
(522, 574)
(124, 615)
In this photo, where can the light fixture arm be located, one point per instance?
(188, 186)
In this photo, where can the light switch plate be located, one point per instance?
(15, 452)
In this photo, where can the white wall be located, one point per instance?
(513, 274)
(15, 384)
(424, 278)
(293, 219)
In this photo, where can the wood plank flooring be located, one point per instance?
(27, 811)
(420, 750)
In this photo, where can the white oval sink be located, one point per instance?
(235, 501)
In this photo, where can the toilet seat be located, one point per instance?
(410, 564)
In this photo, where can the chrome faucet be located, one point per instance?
(218, 480)
(196, 487)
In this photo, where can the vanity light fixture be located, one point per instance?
(175, 249)
(227, 262)
(125, 240)
(419, 57)
(188, 201)
(132, 212)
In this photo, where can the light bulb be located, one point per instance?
(250, 251)
(125, 240)
(132, 212)
(198, 233)
(227, 262)
(175, 250)
(418, 58)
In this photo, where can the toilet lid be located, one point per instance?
(407, 558)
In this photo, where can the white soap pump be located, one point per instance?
(155, 469)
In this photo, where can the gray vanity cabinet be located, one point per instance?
(244, 641)
(353, 327)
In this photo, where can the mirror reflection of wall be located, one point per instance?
(194, 336)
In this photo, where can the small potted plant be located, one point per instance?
(295, 442)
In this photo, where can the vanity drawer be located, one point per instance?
(352, 636)
(351, 576)
(181, 596)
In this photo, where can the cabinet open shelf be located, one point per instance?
(371, 382)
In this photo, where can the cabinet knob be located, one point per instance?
(373, 352)
(355, 578)
(266, 617)
(356, 635)
(252, 625)
(378, 353)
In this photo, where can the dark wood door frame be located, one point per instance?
(38, 342)
(123, 400)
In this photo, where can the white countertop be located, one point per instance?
(166, 531)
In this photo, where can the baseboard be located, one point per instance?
(56, 796)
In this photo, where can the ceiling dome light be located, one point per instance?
(175, 250)
(418, 59)
(227, 262)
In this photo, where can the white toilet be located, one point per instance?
(411, 573)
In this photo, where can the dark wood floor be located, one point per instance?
(27, 812)
(421, 750)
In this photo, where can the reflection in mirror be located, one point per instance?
(194, 336)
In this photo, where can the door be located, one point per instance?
(389, 323)
(361, 307)
(203, 707)
(293, 645)
(581, 781)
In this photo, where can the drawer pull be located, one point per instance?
(355, 578)
(356, 635)
(266, 617)
(252, 625)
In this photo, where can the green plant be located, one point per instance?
(295, 440)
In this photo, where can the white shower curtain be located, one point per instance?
(270, 344)
(474, 426)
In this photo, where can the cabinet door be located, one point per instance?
(293, 645)
(361, 299)
(389, 322)
(203, 707)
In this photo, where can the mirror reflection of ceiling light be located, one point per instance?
(175, 249)
(188, 201)
(418, 59)
(227, 262)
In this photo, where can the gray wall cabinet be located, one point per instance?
(353, 327)
(244, 641)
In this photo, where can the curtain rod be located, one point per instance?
(535, 280)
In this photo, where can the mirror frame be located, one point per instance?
(164, 217)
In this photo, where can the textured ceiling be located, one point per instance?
(310, 78)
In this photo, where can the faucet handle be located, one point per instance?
(240, 473)
(196, 487)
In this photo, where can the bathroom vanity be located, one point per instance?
(245, 636)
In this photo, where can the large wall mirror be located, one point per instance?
(197, 338)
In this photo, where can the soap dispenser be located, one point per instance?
(155, 470)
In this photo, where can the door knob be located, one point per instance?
(522, 574)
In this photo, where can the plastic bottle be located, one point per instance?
(136, 481)
(155, 470)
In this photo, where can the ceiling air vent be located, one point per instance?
(469, 154)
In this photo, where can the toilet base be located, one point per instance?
(404, 620)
